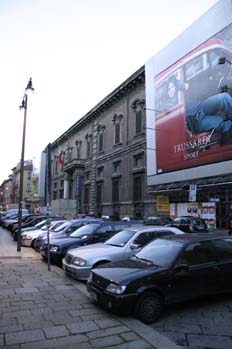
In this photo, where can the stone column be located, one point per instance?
(66, 188)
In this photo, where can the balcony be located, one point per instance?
(73, 164)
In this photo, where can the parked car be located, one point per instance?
(64, 230)
(190, 224)
(88, 234)
(25, 222)
(8, 219)
(155, 220)
(31, 223)
(28, 238)
(168, 270)
(78, 262)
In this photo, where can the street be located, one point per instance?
(204, 323)
(47, 309)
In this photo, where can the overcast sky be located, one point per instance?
(77, 52)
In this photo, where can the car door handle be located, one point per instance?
(216, 267)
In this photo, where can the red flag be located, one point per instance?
(61, 159)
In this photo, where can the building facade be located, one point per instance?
(136, 154)
(99, 164)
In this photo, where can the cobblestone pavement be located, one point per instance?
(46, 309)
(199, 324)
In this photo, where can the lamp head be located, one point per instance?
(29, 87)
(23, 104)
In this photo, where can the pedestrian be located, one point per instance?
(230, 224)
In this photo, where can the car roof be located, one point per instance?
(149, 228)
(196, 237)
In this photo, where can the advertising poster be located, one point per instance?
(208, 213)
(188, 209)
(193, 107)
(162, 203)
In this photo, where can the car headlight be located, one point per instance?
(79, 262)
(116, 289)
(54, 248)
(26, 237)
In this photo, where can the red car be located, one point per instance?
(177, 146)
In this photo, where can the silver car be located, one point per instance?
(78, 262)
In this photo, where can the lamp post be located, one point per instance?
(24, 107)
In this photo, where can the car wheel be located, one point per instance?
(33, 244)
(149, 307)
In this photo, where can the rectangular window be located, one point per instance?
(88, 148)
(61, 194)
(115, 190)
(99, 194)
(138, 161)
(137, 188)
(100, 171)
(86, 195)
(56, 166)
(138, 121)
(117, 133)
(100, 144)
(116, 167)
(87, 176)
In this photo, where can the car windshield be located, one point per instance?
(55, 225)
(40, 224)
(121, 238)
(62, 227)
(84, 230)
(160, 252)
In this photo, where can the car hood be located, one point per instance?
(65, 241)
(95, 250)
(126, 270)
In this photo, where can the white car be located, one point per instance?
(78, 262)
(28, 238)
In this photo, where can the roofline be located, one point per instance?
(131, 82)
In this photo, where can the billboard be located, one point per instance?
(189, 103)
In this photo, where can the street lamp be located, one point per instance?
(23, 106)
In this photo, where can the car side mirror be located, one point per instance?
(135, 246)
(181, 267)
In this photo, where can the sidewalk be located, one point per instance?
(46, 309)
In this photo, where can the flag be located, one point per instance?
(61, 159)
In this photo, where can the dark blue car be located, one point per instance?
(88, 234)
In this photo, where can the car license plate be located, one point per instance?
(93, 296)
